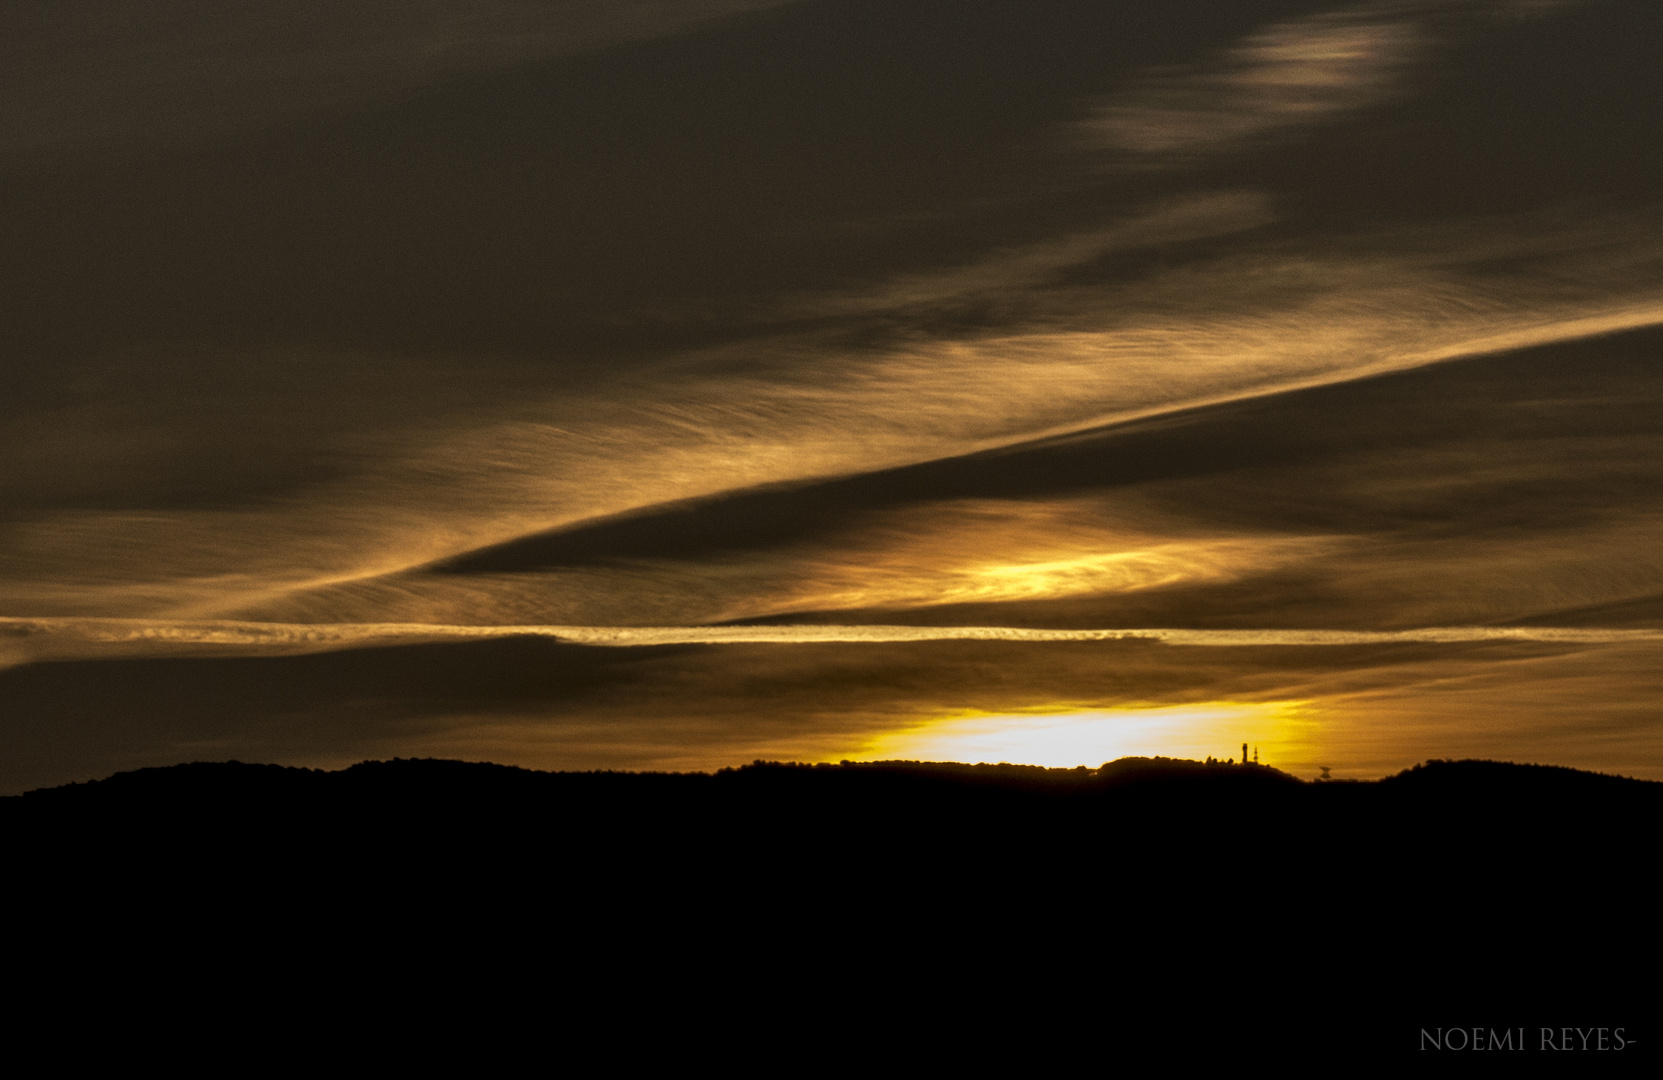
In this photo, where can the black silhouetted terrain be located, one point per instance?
(1188, 896)
(1247, 818)
(767, 794)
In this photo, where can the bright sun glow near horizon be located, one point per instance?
(1281, 731)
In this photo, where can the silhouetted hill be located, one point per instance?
(450, 781)
(1161, 809)
(467, 787)
(1454, 893)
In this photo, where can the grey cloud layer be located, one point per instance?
(95, 74)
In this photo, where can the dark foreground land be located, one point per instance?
(1051, 822)
(1180, 898)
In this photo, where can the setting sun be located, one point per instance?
(1279, 730)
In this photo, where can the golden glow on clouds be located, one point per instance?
(1283, 731)
(985, 550)
(792, 408)
(1120, 571)
(894, 584)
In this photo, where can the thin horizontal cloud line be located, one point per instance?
(305, 636)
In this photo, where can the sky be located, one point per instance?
(668, 384)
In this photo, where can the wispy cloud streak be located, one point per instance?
(787, 409)
(45, 637)
(1286, 75)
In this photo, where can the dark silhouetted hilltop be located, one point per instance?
(1455, 893)
(467, 787)
(1158, 808)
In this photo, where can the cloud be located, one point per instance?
(1287, 75)
(790, 408)
(995, 276)
(64, 638)
(935, 553)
